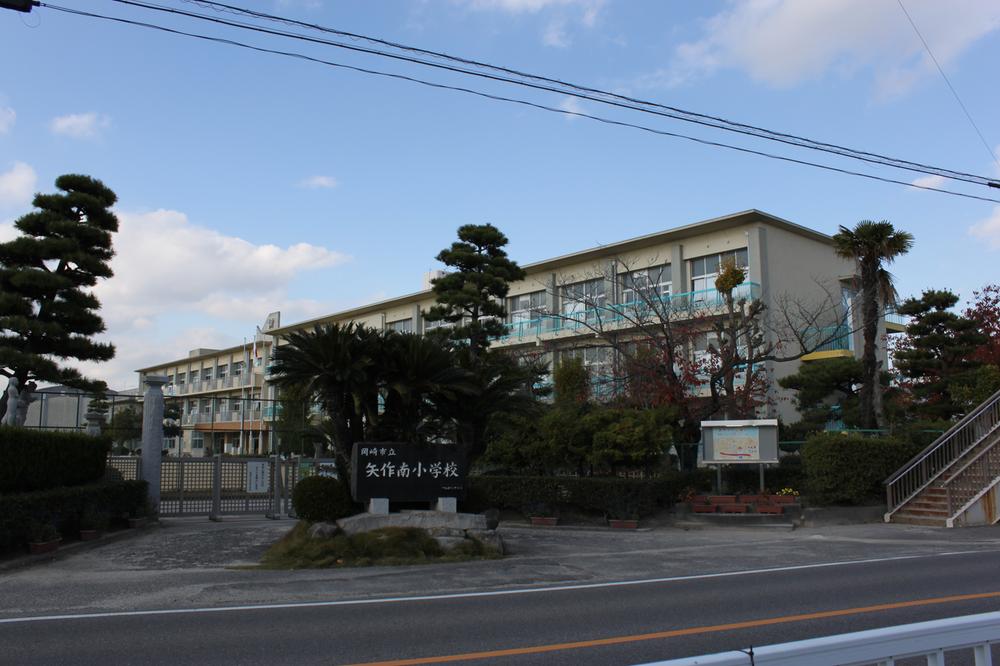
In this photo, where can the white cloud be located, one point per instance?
(784, 42)
(165, 264)
(179, 286)
(571, 105)
(17, 185)
(929, 181)
(319, 182)
(529, 6)
(555, 34)
(988, 229)
(7, 118)
(80, 125)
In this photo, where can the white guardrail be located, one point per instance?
(876, 646)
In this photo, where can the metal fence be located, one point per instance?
(932, 641)
(218, 485)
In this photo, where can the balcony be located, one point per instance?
(705, 302)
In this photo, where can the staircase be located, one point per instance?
(955, 480)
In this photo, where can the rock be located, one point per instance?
(492, 518)
(323, 530)
(449, 542)
(365, 522)
(489, 538)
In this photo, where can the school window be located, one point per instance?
(237, 368)
(180, 378)
(206, 375)
(222, 371)
(526, 307)
(197, 440)
(705, 269)
(583, 300)
(401, 326)
(644, 284)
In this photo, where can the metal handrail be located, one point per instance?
(881, 646)
(925, 467)
(974, 478)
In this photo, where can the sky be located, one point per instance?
(250, 182)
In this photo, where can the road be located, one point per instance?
(905, 576)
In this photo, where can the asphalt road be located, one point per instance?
(544, 624)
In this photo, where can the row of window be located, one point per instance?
(234, 369)
(637, 286)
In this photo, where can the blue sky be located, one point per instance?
(250, 182)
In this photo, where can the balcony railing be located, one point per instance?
(634, 313)
(828, 338)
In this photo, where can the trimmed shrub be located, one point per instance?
(33, 460)
(64, 508)
(613, 496)
(321, 499)
(850, 469)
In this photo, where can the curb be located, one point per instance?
(75, 547)
(569, 528)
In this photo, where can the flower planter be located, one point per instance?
(89, 535)
(37, 547)
(623, 523)
(547, 521)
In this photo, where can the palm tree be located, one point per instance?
(872, 245)
(331, 364)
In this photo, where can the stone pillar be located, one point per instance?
(95, 420)
(447, 505)
(379, 505)
(152, 437)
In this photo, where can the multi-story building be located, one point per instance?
(574, 304)
(222, 397)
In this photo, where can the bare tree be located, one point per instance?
(667, 347)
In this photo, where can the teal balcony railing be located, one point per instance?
(686, 304)
(828, 338)
(896, 318)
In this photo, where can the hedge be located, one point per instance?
(38, 459)
(64, 508)
(615, 497)
(850, 469)
(321, 499)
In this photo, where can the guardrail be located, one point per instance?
(929, 464)
(875, 646)
(672, 305)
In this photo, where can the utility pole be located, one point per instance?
(19, 5)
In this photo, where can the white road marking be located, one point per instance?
(471, 595)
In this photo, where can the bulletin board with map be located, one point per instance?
(736, 442)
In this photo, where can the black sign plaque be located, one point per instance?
(406, 473)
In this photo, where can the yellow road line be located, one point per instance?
(673, 633)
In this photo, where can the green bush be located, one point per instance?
(613, 496)
(789, 473)
(850, 469)
(38, 459)
(321, 499)
(65, 508)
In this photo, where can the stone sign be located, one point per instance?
(405, 473)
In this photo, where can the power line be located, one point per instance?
(948, 81)
(553, 85)
(442, 86)
(723, 123)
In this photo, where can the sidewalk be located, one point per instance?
(188, 563)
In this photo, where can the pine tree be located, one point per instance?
(471, 297)
(938, 353)
(47, 312)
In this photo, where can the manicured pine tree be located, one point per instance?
(938, 354)
(47, 312)
(471, 296)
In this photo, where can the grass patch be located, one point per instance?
(386, 546)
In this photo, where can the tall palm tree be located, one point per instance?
(332, 364)
(872, 245)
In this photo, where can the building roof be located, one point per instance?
(676, 233)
